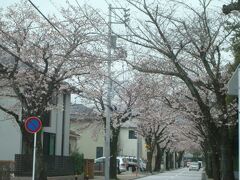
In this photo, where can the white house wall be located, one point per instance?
(88, 142)
(56, 125)
(128, 146)
(67, 125)
(90, 138)
(59, 126)
(10, 134)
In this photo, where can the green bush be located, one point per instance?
(78, 160)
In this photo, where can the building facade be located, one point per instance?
(91, 131)
(55, 135)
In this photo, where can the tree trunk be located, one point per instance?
(41, 172)
(158, 159)
(213, 142)
(207, 159)
(179, 158)
(149, 160)
(226, 156)
(171, 160)
(167, 160)
(27, 141)
(215, 164)
(209, 168)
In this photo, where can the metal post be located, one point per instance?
(174, 160)
(164, 160)
(238, 75)
(34, 156)
(138, 151)
(108, 110)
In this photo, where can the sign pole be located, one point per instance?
(238, 74)
(34, 156)
(33, 125)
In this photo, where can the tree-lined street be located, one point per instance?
(161, 69)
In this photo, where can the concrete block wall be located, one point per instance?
(80, 177)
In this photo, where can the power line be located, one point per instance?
(48, 20)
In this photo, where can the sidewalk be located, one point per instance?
(125, 176)
(129, 176)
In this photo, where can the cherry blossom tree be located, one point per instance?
(193, 127)
(39, 59)
(189, 48)
(153, 127)
(123, 97)
(189, 131)
(162, 99)
(154, 119)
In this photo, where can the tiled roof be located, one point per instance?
(81, 112)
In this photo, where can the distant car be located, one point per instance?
(121, 163)
(194, 166)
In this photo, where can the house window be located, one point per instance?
(99, 152)
(132, 134)
(49, 140)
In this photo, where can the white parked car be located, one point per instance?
(194, 166)
(143, 165)
(121, 163)
(132, 162)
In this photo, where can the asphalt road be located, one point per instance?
(179, 174)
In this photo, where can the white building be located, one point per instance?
(55, 136)
(91, 131)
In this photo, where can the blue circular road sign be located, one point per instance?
(33, 124)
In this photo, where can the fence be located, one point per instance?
(99, 169)
(55, 165)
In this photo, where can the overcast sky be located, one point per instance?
(50, 6)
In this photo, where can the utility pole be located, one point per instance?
(111, 44)
(108, 110)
